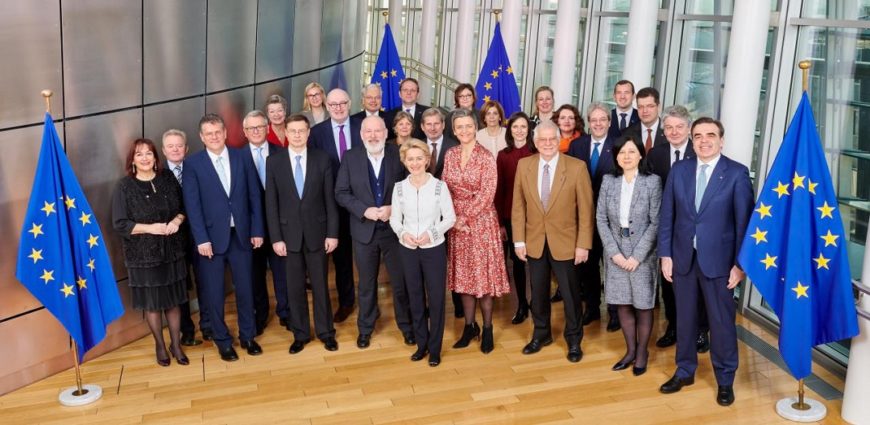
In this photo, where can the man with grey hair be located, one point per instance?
(365, 188)
(595, 150)
(372, 97)
(255, 127)
(676, 123)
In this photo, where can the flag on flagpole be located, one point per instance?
(795, 248)
(62, 257)
(388, 72)
(496, 79)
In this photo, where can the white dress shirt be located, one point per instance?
(304, 161)
(376, 162)
(625, 195)
(681, 148)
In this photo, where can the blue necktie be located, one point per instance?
(622, 123)
(299, 176)
(261, 165)
(593, 161)
(178, 172)
(701, 186)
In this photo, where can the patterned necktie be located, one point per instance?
(701, 186)
(545, 186)
(649, 141)
(408, 110)
(261, 165)
(299, 176)
(177, 171)
(622, 123)
(676, 155)
(222, 174)
(434, 160)
(593, 161)
(342, 143)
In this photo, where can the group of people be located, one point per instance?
(447, 203)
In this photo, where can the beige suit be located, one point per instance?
(567, 222)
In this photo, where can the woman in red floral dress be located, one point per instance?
(475, 256)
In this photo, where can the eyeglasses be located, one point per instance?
(256, 128)
(337, 105)
(465, 96)
(314, 95)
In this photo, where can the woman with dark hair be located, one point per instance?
(147, 211)
(492, 135)
(276, 111)
(464, 98)
(627, 217)
(519, 146)
(571, 125)
(403, 127)
(543, 105)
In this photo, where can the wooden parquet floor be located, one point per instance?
(381, 385)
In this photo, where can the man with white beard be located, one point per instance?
(364, 187)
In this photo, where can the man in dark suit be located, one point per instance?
(174, 143)
(255, 128)
(372, 98)
(433, 129)
(336, 136)
(224, 208)
(706, 206)
(364, 188)
(676, 122)
(303, 223)
(409, 90)
(649, 128)
(624, 115)
(595, 150)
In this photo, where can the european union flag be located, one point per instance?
(795, 248)
(388, 71)
(496, 79)
(62, 256)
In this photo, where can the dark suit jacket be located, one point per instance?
(361, 115)
(208, 206)
(720, 222)
(290, 219)
(322, 138)
(581, 148)
(446, 144)
(659, 159)
(658, 138)
(614, 131)
(353, 191)
(273, 150)
(418, 119)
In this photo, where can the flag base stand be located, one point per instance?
(789, 408)
(88, 394)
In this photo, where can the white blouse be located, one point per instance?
(427, 210)
(625, 201)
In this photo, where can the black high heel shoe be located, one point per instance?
(468, 333)
(165, 361)
(179, 356)
(486, 345)
(622, 364)
(521, 315)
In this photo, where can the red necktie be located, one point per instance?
(649, 141)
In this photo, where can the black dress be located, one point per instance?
(156, 264)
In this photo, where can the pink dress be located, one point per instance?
(475, 258)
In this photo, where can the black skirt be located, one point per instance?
(158, 288)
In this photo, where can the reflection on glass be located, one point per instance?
(701, 70)
(836, 9)
(610, 61)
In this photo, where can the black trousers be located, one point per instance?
(315, 263)
(426, 278)
(342, 259)
(264, 258)
(368, 261)
(540, 270)
(519, 267)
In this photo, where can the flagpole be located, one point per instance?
(497, 13)
(80, 394)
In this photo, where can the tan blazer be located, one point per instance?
(568, 221)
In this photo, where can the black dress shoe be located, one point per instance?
(228, 354)
(420, 354)
(342, 314)
(703, 342)
(253, 348)
(668, 339)
(521, 315)
(590, 317)
(298, 345)
(622, 364)
(409, 338)
(675, 384)
(330, 344)
(364, 340)
(725, 395)
(189, 340)
(535, 345)
(434, 360)
(207, 335)
(637, 371)
(557, 297)
(613, 324)
(574, 354)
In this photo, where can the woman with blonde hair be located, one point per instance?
(312, 105)
(276, 111)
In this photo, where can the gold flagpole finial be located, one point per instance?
(804, 65)
(497, 13)
(47, 95)
(385, 14)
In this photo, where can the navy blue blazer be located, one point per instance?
(581, 148)
(208, 206)
(719, 224)
(322, 138)
(353, 191)
(614, 122)
(636, 129)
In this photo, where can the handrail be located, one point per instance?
(440, 80)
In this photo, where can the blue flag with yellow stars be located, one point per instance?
(795, 248)
(496, 79)
(62, 256)
(388, 72)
